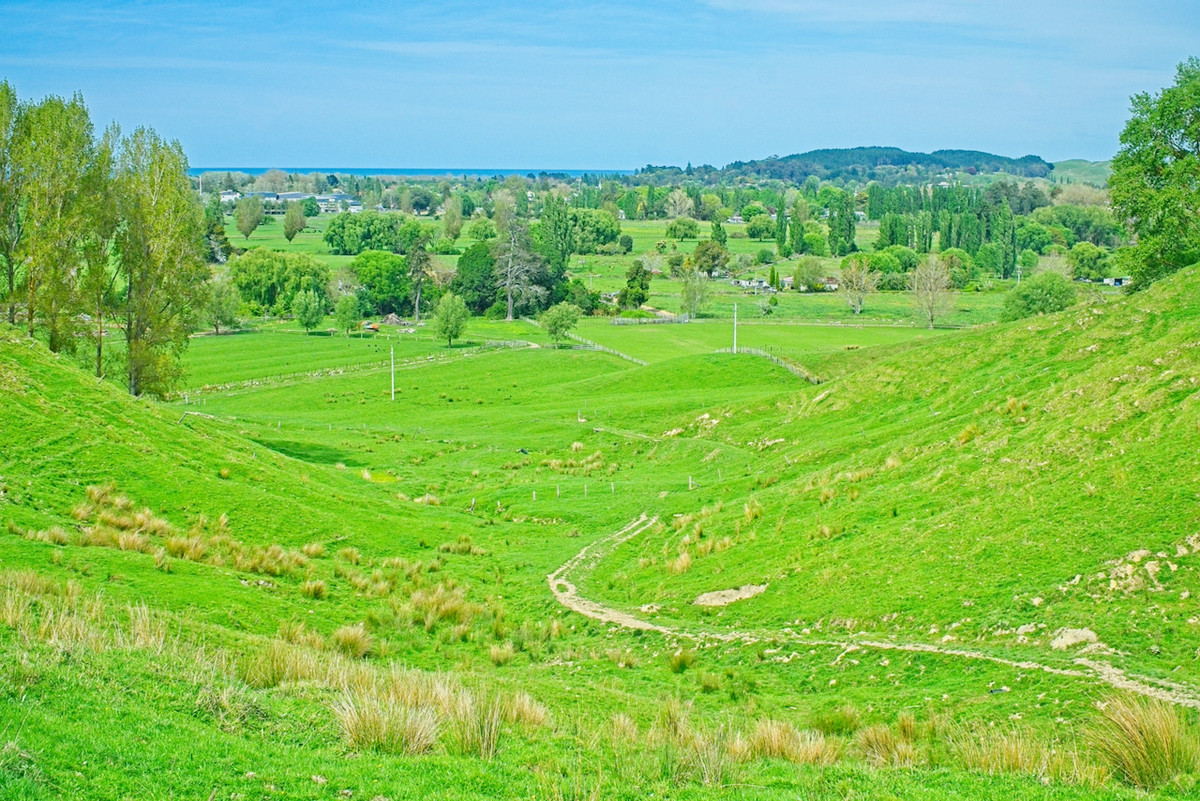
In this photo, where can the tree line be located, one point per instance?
(98, 231)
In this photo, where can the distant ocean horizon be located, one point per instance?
(423, 172)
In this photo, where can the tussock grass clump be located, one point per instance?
(145, 630)
(778, 739)
(1010, 750)
(967, 434)
(442, 603)
(315, 589)
(881, 746)
(350, 555)
(462, 546)
(844, 720)
(681, 660)
(711, 753)
(191, 548)
(752, 510)
(382, 724)
(680, 564)
(501, 654)
(428, 499)
(1144, 741)
(353, 640)
(230, 705)
(477, 722)
(576, 447)
(521, 708)
(906, 727)
(313, 550)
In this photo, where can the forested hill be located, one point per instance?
(868, 163)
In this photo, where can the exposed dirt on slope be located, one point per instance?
(584, 562)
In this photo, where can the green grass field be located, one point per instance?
(949, 556)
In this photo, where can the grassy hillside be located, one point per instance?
(1081, 171)
(948, 556)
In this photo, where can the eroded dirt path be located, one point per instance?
(562, 584)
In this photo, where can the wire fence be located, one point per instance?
(795, 368)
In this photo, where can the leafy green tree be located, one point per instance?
(221, 304)
(559, 319)
(1027, 261)
(310, 207)
(1088, 261)
(293, 220)
(752, 210)
(55, 149)
(683, 228)
(309, 309)
(557, 232)
(815, 244)
(475, 278)
(637, 287)
(781, 234)
(272, 279)
(989, 259)
(693, 295)
(718, 233)
(710, 257)
(1044, 293)
(841, 223)
(248, 215)
(161, 263)
(1154, 180)
(450, 319)
(808, 275)
(347, 314)
(385, 285)
(626, 243)
(12, 180)
(482, 229)
(452, 218)
(760, 227)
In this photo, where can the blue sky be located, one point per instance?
(600, 85)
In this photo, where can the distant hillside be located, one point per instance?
(862, 161)
(1079, 171)
(886, 164)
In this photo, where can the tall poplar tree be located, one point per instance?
(12, 203)
(160, 258)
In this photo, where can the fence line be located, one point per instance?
(794, 368)
(588, 344)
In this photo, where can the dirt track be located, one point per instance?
(561, 583)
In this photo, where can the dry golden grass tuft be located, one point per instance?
(462, 546)
(1145, 741)
(845, 719)
(782, 740)
(313, 550)
(882, 747)
(680, 564)
(381, 724)
(521, 709)
(501, 654)
(428, 499)
(477, 722)
(315, 589)
(353, 640)
(752, 510)
(350, 555)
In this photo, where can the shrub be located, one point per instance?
(1144, 741)
(1045, 293)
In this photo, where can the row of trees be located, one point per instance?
(98, 231)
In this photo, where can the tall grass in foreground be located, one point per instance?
(1145, 742)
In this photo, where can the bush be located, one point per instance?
(1045, 293)
(683, 228)
(765, 256)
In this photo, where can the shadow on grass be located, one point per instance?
(311, 452)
